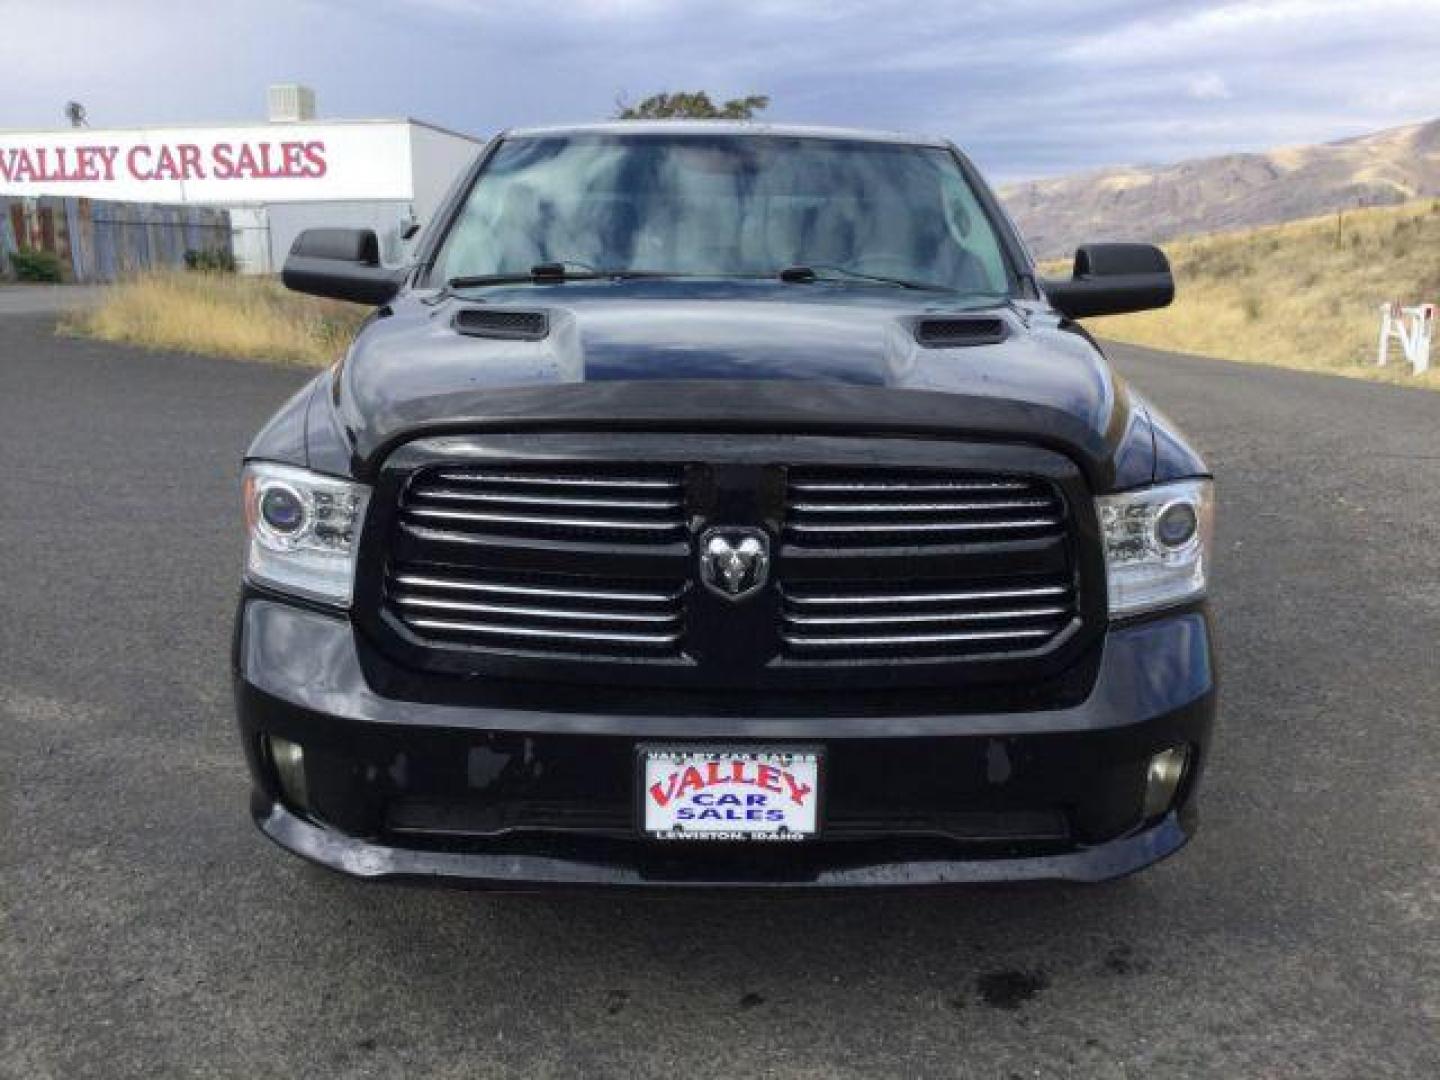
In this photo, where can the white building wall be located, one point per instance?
(437, 160)
(278, 178)
(250, 239)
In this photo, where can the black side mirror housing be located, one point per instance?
(1113, 279)
(342, 264)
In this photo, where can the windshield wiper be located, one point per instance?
(804, 275)
(541, 272)
(556, 272)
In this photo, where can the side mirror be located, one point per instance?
(343, 264)
(1112, 279)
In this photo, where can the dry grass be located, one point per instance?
(1302, 295)
(221, 315)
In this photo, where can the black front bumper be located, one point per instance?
(516, 797)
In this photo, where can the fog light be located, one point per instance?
(1162, 779)
(289, 761)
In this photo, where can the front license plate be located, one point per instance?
(691, 793)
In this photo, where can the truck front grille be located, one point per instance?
(953, 617)
(633, 505)
(555, 614)
(880, 507)
(576, 558)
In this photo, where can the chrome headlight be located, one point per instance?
(1157, 545)
(303, 530)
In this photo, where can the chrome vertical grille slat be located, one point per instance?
(426, 603)
(899, 508)
(547, 635)
(893, 641)
(538, 479)
(538, 521)
(903, 528)
(871, 619)
(546, 591)
(850, 599)
(582, 502)
(806, 487)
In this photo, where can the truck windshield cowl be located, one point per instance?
(728, 206)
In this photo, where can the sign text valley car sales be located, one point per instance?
(142, 162)
(250, 164)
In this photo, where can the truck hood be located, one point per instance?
(725, 355)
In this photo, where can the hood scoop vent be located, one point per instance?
(959, 331)
(508, 324)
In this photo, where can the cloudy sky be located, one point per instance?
(1029, 87)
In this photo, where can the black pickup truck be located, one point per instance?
(724, 505)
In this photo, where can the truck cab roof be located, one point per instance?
(728, 127)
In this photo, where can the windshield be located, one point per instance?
(729, 205)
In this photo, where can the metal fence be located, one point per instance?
(101, 241)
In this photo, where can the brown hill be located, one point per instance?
(1234, 191)
(1304, 294)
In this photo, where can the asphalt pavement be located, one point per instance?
(45, 299)
(147, 930)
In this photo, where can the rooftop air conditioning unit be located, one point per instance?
(291, 103)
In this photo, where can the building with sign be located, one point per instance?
(276, 178)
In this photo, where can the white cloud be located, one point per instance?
(1272, 26)
(1210, 86)
(1029, 87)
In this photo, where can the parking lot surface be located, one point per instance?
(45, 299)
(147, 930)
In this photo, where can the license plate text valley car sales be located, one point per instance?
(706, 794)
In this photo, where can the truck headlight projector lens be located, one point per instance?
(303, 530)
(1176, 525)
(1157, 545)
(282, 509)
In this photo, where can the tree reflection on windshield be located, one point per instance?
(726, 205)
